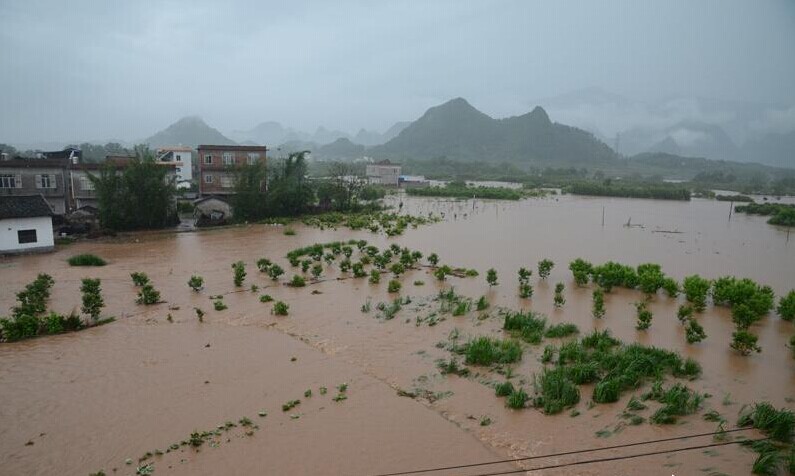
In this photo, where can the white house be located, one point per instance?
(383, 173)
(182, 159)
(25, 224)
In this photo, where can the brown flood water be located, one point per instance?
(90, 400)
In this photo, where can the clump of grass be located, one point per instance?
(462, 307)
(598, 309)
(266, 298)
(139, 279)
(778, 424)
(744, 342)
(280, 308)
(199, 314)
(517, 399)
(559, 300)
(684, 313)
(297, 281)
(390, 310)
(644, 316)
(86, 259)
(528, 325)
(635, 404)
(196, 283)
(694, 332)
(678, 400)
(219, 304)
(419, 282)
(563, 329)
(504, 389)
(148, 295)
(393, 286)
(488, 351)
(482, 304)
(289, 232)
(556, 391)
(452, 366)
(286, 407)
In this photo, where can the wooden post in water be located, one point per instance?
(731, 207)
(603, 215)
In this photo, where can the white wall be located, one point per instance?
(186, 169)
(9, 242)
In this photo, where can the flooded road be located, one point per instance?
(92, 399)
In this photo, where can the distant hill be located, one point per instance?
(772, 149)
(457, 130)
(697, 139)
(339, 149)
(188, 131)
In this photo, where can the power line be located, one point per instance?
(618, 458)
(565, 453)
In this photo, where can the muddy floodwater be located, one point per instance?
(78, 403)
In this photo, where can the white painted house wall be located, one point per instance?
(9, 241)
(184, 166)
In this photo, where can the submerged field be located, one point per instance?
(87, 401)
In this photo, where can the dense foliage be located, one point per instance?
(612, 189)
(780, 214)
(138, 196)
(462, 190)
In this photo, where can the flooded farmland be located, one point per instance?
(87, 401)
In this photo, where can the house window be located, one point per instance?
(86, 184)
(26, 236)
(208, 159)
(253, 158)
(45, 181)
(11, 181)
(208, 178)
(228, 158)
(227, 182)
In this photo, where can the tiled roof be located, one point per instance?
(34, 163)
(24, 206)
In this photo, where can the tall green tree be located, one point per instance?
(249, 202)
(289, 191)
(138, 196)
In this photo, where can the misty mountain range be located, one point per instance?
(693, 127)
(458, 130)
(601, 126)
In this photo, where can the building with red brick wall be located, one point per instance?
(217, 164)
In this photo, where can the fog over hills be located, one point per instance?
(697, 127)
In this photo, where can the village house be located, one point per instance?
(48, 177)
(25, 224)
(383, 173)
(217, 164)
(182, 159)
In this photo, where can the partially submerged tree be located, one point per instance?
(92, 297)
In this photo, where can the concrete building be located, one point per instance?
(217, 165)
(48, 177)
(383, 173)
(182, 159)
(25, 224)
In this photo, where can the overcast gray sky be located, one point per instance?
(96, 70)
